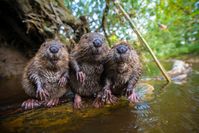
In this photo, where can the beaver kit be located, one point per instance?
(46, 76)
(96, 71)
(122, 71)
(87, 66)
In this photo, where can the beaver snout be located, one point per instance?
(97, 43)
(122, 49)
(54, 49)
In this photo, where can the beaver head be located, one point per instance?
(122, 52)
(93, 44)
(53, 51)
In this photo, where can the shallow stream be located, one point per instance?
(174, 109)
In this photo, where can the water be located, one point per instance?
(174, 109)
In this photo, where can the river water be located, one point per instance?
(174, 109)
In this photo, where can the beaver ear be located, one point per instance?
(103, 38)
(44, 44)
(131, 47)
(85, 37)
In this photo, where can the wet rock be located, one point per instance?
(180, 71)
(144, 91)
(64, 118)
(179, 67)
(58, 119)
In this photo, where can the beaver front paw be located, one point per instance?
(62, 81)
(42, 94)
(81, 76)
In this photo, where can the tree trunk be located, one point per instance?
(25, 24)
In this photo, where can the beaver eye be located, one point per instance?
(85, 37)
(44, 45)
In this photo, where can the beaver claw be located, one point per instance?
(108, 97)
(31, 104)
(52, 102)
(98, 102)
(132, 96)
(42, 94)
(77, 102)
(62, 81)
(81, 76)
(104, 97)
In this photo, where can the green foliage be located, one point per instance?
(182, 34)
(180, 16)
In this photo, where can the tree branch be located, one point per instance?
(104, 22)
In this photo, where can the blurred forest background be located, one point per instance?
(171, 27)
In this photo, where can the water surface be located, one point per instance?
(174, 109)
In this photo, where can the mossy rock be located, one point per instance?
(145, 91)
(62, 117)
(56, 119)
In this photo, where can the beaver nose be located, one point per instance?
(54, 49)
(122, 49)
(97, 43)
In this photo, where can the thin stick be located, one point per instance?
(104, 22)
(142, 40)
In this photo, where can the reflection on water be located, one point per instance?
(174, 109)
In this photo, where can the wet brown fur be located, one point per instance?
(122, 72)
(86, 58)
(47, 69)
